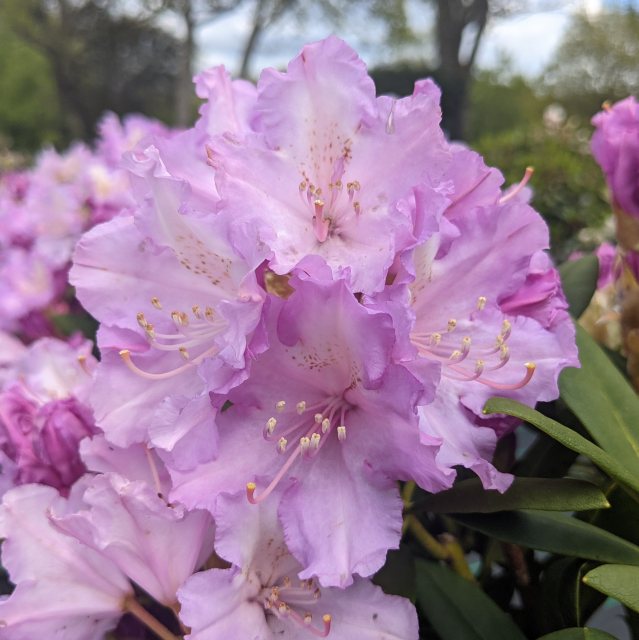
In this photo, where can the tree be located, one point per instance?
(100, 59)
(596, 61)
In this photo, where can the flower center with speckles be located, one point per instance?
(308, 428)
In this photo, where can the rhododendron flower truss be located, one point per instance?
(485, 311)
(327, 415)
(262, 596)
(327, 161)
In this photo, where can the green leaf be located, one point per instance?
(618, 581)
(469, 496)
(579, 282)
(567, 437)
(578, 633)
(458, 609)
(557, 533)
(600, 396)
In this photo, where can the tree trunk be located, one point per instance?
(454, 74)
(184, 89)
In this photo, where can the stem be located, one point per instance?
(429, 543)
(407, 497)
(133, 607)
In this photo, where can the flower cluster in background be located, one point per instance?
(43, 212)
(304, 300)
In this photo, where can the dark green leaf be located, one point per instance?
(469, 496)
(579, 281)
(618, 581)
(567, 437)
(397, 576)
(458, 609)
(600, 396)
(558, 533)
(578, 633)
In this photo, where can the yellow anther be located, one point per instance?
(436, 338)
(209, 313)
(308, 619)
(141, 319)
(184, 353)
(318, 418)
(505, 327)
(315, 440)
(156, 302)
(479, 366)
(271, 423)
(481, 302)
(452, 323)
(455, 354)
(300, 407)
(280, 406)
(305, 444)
(358, 207)
(303, 185)
(326, 425)
(281, 444)
(196, 311)
(150, 331)
(341, 433)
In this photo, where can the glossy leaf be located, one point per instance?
(458, 609)
(578, 633)
(547, 494)
(557, 533)
(618, 581)
(600, 396)
(567, 437)
(579, 282)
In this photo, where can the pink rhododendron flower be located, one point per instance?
(64, 589)
(262, 596)
(311, 166)
(156, 545)
(615, 145)
(326, 413)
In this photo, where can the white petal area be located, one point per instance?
(64, 588)
(156, 545)
(218, 605)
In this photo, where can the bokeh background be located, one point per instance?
(520, 78)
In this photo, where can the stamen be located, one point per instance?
(196, 311)
(271, 423)
(82, 361)
(357, 207)
(125, 354)
(341, 433)
(280, 406)
(452, 323)
(141, 320)
(315, 441)
(156, 302)
(300, 407)
(530, 370)
(435, 338)
(516, 190)
(251, 486)
(305, 444)
(318, 418)
(184, 353)
(281, 444)
(326, 425)
(506, 328)
(481, 302)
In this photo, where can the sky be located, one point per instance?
(527, 40)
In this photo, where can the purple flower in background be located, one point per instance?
(42, 416)
(615, 145)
